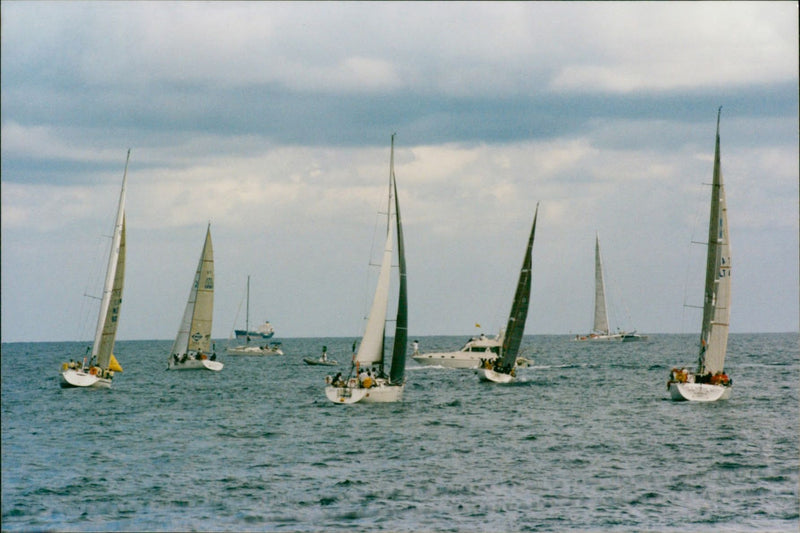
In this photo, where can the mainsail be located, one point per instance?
(519, 309)
(716, 303)
(107, 319)
(600, 309)
(194, 334)
(371, 349)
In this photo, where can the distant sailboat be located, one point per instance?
(709, 382)
(103, 364)
(503, 368)
(192, 347)
(256, 348)
(378, 386)
(601, 330)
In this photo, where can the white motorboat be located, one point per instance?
(709, 382)
(382, 387)
(101, 367)
(475, 350)
(192, 349)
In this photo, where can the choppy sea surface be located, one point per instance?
(585, 440)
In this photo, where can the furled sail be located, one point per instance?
(111, 300)
(515, 328)
(716, 303)
(600, 309)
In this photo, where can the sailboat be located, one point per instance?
(502, 369)
(709, 382)
(374, 385)
(252, 349)
(192, 349)
(101, 367)
(601, 330)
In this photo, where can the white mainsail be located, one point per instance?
(107, 319)
(371, 348)
(716, 303)
(194, 333)
(600, 309)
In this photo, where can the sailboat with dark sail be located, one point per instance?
(503, 368)
(709, 382)
(368, 381)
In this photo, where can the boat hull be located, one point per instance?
(253, 350)
(631, 337)
(78, 378)
(381, 393)
(196, 364)
(489, 375)
(452, 359)
(329, 362)
(698, 392)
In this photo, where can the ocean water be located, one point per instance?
(587, 440)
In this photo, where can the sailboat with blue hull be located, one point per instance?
(503, 368)
(709, 382)
(368, 381)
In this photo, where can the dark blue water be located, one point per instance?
(586, 440)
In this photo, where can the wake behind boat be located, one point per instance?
(373, 385)
(192, 349)
(709, 382)
(102, 364)
(502, 369)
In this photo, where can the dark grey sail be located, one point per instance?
(519, 309)
(397, 372)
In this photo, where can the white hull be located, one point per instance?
(486, 374)
(79, 378)
(196, 364)
(698, 392)
(253, 350)
(453, 359)
(599, 338)
(381, 393)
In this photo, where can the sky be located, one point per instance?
(272, 121)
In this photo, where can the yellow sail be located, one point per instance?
(113, 364)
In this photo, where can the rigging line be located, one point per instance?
(699, 211)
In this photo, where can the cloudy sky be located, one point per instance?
(272, 121)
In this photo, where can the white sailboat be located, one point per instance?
(709, 382)
(502, 369)
(601, 330)
(373, 385)
(256, 348)
(192, 349)
(100, 370)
